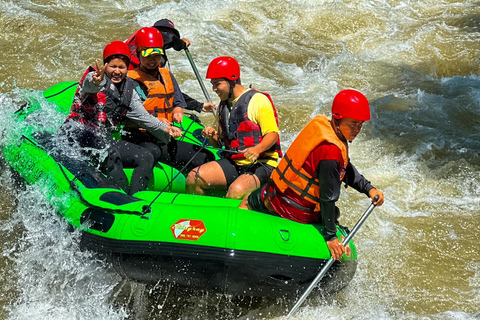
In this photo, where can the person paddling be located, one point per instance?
(306, 183)
(248, 130)
(104, 98)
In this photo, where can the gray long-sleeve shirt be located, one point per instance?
(137, 112)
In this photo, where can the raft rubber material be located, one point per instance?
(164, 235)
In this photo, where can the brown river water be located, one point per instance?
(417, 62)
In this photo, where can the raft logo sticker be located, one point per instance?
(185, 229)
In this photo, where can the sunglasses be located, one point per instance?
(150, 51)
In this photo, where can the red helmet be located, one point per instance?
(116, 48)
(351, 104)
(149, 37)
(223, 67)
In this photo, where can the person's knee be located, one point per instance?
(108, 165)
(111, 162)
(145, 158)
(148, 158)
(237, 191)
(192, 176)
(155, 150)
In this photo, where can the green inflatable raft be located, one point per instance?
(165, 235)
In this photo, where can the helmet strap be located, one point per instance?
(232, 86)
(338, 131)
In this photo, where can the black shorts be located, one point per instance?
(256, 202)
(232, 171)
(178, 154)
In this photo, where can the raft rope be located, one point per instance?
(185, 130)
(22, 107)
(148, 208)
(217, 149)
(27, 105)
(61, 91)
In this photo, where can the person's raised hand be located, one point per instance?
(98, 75)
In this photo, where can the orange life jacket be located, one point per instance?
(290, 172)
(159, 102)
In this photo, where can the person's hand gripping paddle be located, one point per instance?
(330, 262)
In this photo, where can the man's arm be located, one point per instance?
(355, 180)
(192, 104)
(359, 183)
(329, 177)
(178, 99)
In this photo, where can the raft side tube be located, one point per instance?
(225, 271)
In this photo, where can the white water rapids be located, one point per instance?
(416, 61)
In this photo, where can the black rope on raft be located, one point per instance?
(148, 208)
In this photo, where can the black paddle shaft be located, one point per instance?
(194, 67)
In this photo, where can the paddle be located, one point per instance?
(331, 261)
(202, 85)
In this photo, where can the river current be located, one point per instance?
(418, 64)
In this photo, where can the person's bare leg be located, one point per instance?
(243, 186)
(244, 204)
(208, 176)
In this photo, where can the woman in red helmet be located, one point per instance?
(163, 97)
(171, 39)
(248, 129)
(306, 183)
(104, 98)
(164, 100)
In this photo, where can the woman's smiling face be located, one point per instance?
(116, 70)
(151, 62)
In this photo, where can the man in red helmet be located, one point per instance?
(306, 183)
(248, 129)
